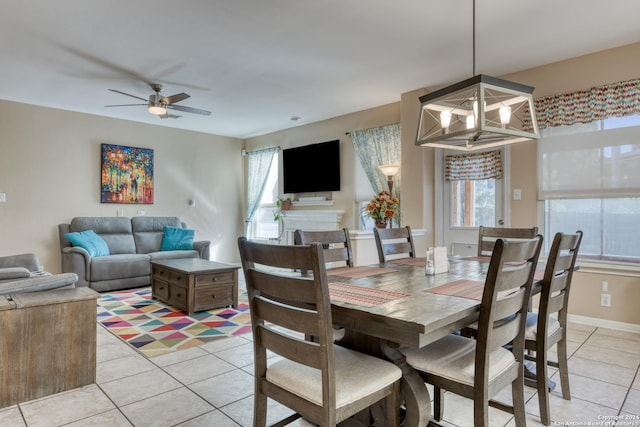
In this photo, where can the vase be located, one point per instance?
(381, 223)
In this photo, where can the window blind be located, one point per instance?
(598, 164)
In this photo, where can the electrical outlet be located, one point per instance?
(141, 213)
(605, 300)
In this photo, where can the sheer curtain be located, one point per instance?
(378, 146)
(259, 163)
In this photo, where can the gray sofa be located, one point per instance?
(133, 244)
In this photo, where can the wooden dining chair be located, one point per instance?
(336, 244)
(394, 241)
(479, 369)
(548, 326)
(487, 237)
(320, 381)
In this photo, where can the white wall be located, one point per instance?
(50, 172)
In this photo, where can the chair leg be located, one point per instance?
(438, 403)
(564, 368)
(392, 407)
(481, 412)
(517, 395)
(542, 385)
(259, 410)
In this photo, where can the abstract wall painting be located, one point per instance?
(126, 175)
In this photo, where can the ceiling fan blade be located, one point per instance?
(175, 98)
(125, 105)
(189, 109)
(128, 94)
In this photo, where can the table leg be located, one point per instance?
(413, 389)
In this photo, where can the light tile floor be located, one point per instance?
(212, 385)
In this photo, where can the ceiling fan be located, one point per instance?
(159, 104)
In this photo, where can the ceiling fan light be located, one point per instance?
(158, 110)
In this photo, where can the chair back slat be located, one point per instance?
(271, 283)
(487, 237)
(393, 242)
(329, 239)
(304, 321)
(298, 350)
(397, 248)
(336, 254)
(505, 332)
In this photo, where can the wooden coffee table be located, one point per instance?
(194, 284)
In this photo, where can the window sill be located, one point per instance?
(614, 268)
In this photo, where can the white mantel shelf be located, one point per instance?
(310, 220)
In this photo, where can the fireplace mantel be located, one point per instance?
(308, 220)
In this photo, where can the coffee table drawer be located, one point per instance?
(208, 297)
(207, 279)
(170, 293)
(181, 279)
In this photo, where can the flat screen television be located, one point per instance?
(312, 168)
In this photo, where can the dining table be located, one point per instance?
(384, 307)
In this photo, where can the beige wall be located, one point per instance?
(50, 172)
(327, 130)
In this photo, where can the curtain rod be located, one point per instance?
(244, 152)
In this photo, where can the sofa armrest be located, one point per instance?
(203, 247)
(77, 260)
(28, 261)
(39, 283)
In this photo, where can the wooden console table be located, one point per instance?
(194, 284)
(47, 343)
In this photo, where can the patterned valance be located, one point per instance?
(474, 166)
(584, 106)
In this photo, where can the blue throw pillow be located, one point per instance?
(90, 241)
(176, 238)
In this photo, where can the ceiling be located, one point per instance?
(254, 63)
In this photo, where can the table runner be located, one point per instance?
(357, 272)
(416, 262)
(359, 295)
(460, 288)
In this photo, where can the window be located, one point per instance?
(264, 226)
(589, 179)
(473, 203)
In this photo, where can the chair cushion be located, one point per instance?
(357, 375)
(454, 357)
(90, 241)
(174, 238)
(531, 331)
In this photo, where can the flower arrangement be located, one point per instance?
(382, 207)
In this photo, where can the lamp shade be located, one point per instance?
(477, 115)
(389, 170)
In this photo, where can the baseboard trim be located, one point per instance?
(603, 323)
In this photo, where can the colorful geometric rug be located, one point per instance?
(154, 328)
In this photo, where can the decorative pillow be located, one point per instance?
(14, 273)
(176, 238)
(90, 241)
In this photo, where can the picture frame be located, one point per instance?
(126, 175)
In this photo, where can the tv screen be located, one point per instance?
(312, 168)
